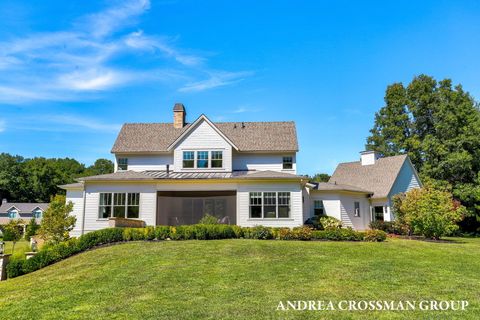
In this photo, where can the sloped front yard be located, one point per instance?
(247, 279)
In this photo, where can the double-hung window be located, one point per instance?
(318, 208)
(269, 205)
(255, 204)
(105, 206)
(287, 163)
(122, 164)
(119, 205)
(357, 208)
(202, 159)
(188, 159)
(217, 159)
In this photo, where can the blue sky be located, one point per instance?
(71, 72)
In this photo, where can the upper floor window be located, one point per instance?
(188, 159)
(357, 209)
(12, 214)
(37, 213)
(202, 159)
(217, 159)
(288, 162)
(269, 205)
(124, 205)
(122, 163)
(318, 208)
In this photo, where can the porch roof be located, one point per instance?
(328, 186)
(164, 175)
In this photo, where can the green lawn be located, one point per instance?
(246, 279)
(21, 247)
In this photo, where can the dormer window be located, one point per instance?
(217, 159)
(37, 213)
(12, 214)
(202, 159)
(188, 159)
(122, 164)
(288, 163)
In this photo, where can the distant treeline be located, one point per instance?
(37, 179)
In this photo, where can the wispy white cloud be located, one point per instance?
(216, 79)
(62, 123)
(244, 109)
(72, 64)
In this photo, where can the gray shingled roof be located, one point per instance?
(254, 136)
(22, 206)
(158, 175)
(378, 177)
(327, 186)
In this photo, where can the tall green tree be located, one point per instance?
(438, 125)
(57, 221)
(101, 166)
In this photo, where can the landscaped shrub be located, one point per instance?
(284, 234)
(347, 234)
(208, 219)
(31, 229)
(15, 268)
(258, 232)
(162, 232)
(375, 236)
(327, 223)
(238, 231)
(302, 233)
(99, 237)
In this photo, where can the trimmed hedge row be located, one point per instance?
(50, 254)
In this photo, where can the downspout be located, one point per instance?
(83, 213)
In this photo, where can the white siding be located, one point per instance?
(203, 137)
(406, 180)
(147, 162)
(262, 161)
(348, 212)
(243, 205)
(148, 203)
(76, 197)
(341, 206)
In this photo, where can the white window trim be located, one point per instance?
(112, 205)
(209, 160)
(276, 205)
(283, 163)
(118, 164)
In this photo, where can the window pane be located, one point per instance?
(202, 159)
(287, 162)
(255, 212)
(105, 199)
(270, 211)
(119, 212)
(133, 199)
(133, 212)
(104, 212)
(284, 198)
(119, 199)
(283, 212)
(122, 163)
(217, 159)
(269, 198)
(255, 198)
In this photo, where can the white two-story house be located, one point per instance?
(175, 173)
(242, 173)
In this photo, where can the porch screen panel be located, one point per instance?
(183, 208)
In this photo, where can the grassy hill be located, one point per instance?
(246, 279)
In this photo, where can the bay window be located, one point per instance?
(269, 205)
(119, 205)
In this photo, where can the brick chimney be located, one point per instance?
(179, 114)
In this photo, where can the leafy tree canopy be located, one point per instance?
(37, 179)
(320, 177)
(438, 126)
